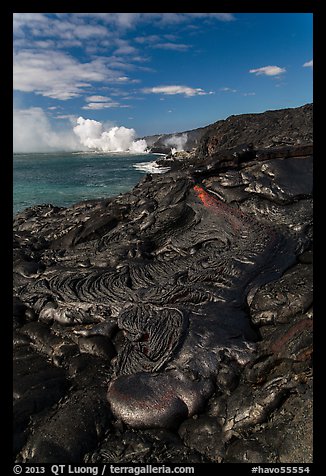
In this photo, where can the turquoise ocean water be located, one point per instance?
(66, 178)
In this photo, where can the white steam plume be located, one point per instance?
(116, 139)
(33, 132)
(177, 142)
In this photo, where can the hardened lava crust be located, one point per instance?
(172, 323)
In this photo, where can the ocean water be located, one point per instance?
(69, 177)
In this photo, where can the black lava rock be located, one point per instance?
(174, 323)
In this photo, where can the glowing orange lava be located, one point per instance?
(207, 200)
(229, 214)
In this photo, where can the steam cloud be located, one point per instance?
(32, 132)
(177, 142)
(116, 139)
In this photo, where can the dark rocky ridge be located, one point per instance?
(283, 127)
(268, 129)
(172, 323)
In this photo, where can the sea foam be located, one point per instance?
(151, 167)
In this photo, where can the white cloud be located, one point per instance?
(56, 74)
(32, 132)
(44, 67)
(172, 46)
(126, 20)
(218, 16)
(174, 89)
(86, 26)
(100, 105)
(249, 94)
(84, 31)
(309, 64)
(34, 20)
(97, 99)
(268, 71)
(228, 90)
(63, 26)
(122, 79)
(70, 117)
(40, 44)
(130, 20)
(148, 39)
(124, 48)
(176, 18)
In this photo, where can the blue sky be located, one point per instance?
(155, 72)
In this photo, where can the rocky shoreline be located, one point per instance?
(173, 323)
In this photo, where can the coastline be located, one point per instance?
(171, 323)
(63, 179)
